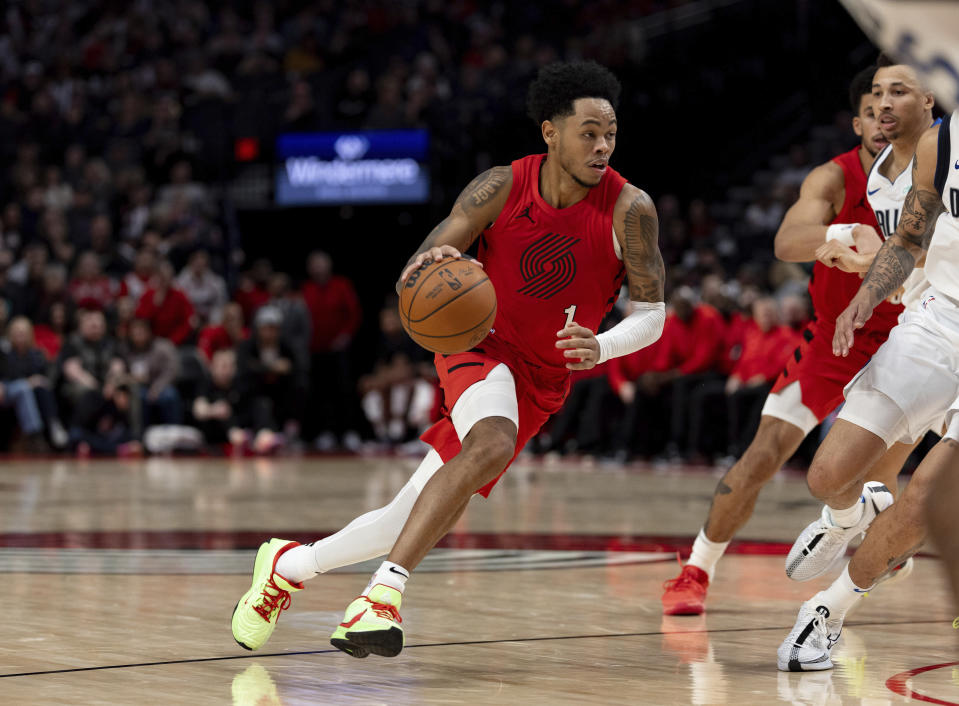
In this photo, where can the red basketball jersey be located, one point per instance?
(832, 289)
(550, 265)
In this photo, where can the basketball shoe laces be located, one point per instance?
(385, 611)
(279, 601)
(826, 638)
(684, 580)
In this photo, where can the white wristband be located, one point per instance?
(638, 330)
(841, 232)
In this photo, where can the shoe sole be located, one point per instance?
(353, 650)
(384, 643)
(796, 666)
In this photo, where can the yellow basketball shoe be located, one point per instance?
(255, 615)
(372, 624)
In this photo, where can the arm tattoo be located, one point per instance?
(898, 255)
(645, 271)
(919, 214)
(476, 194)
(483, 188)
(888, 271)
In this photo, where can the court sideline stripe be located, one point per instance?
(441, 644)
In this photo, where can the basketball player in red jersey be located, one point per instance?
(831, 217)
(557, 233)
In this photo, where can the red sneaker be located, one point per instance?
(686, 594)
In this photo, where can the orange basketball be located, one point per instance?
(448, 306)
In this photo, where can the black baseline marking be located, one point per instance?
(445, 644)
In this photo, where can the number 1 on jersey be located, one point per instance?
(570, 312)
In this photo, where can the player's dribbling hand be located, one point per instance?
(579, 343)
(852, 318)
(432, 255)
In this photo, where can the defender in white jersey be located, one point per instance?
(856, 441)
(886, 189)
(941, 515)
(927, 371)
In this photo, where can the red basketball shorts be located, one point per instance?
(820, 374)
(539, 393)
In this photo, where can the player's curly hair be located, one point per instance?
(861, 85)
(558, 84)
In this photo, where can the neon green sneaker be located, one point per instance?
(255, 615)
(372, 624)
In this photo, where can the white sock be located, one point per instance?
(849, 516)
(389, 574)
(367, 537)
(841, 595)
(706, 553)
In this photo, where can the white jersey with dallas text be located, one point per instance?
(886, 198)
(942, 260)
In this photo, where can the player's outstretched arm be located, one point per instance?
(899, 254)
(475, 209)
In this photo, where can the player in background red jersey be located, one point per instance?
(833, 224)
(557, 233)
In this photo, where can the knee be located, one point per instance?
(498, 451)
(821, 477)
(760, 461)
(491, 447)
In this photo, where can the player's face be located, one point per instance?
(899, 101)
(587, 139)
(867, 127)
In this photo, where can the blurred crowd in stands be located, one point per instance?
(132, 322)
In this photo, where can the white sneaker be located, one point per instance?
(808, 647)
(823, 541)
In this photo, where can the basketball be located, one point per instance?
(448, 306)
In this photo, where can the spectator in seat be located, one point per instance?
(153, 365)
(397, 396)
(137, 281)
(269, 380)
(297, 325)
(26, 373)
(765, 346)
(125, 312)
(53, 290)
(108, 428)
(251, 291)
(89, 367)
(335, 310)
(216, 409)
(644, 406)
(51, 330)
(167, 308)
(205, 289)
(29, 274)
(90, 288)
(689, 354)
(227, 334)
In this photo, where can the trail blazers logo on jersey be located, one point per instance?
(548, 265)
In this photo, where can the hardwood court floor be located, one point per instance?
(120, 578)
